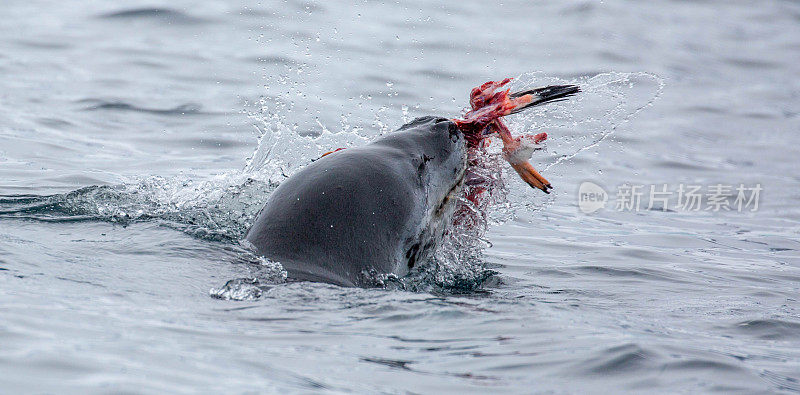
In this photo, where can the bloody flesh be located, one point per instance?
(483, 121)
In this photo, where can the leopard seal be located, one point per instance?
(377, 208)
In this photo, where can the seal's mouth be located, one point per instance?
(451, 194)
(437, 221)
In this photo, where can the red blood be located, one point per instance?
(330, 152)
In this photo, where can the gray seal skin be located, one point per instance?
(378, 208)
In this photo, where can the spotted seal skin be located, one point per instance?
(378, 208)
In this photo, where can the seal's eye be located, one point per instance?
(455, 134)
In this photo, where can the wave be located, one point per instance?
(219, 208)
(162, 14)
(183, 109)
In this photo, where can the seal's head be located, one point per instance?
(377, 208)
(438, 151)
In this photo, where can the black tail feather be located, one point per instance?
(548, 94)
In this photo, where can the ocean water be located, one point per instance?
(139, 139)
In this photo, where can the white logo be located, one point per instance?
(591, 197)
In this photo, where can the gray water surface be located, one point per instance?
(161, 105)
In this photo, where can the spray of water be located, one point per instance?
(607, 102)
